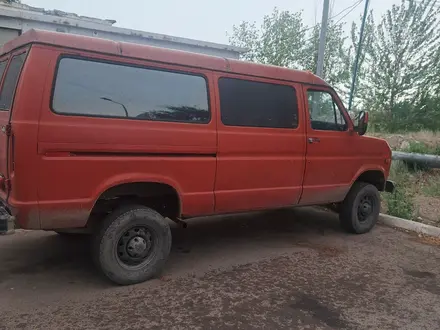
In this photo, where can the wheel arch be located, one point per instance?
(161, 194)
(375, 176)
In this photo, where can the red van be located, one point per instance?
(112, 138)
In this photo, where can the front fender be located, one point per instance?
(368, 168)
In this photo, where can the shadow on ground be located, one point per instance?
(67, 259)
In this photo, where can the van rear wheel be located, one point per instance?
(132, 244)
(360, 210)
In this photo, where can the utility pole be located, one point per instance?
(358, 54)
(322, 37)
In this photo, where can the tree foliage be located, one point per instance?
(399, 67)
(337, 56)
(284, 40)
(279, 41)
(405, 44)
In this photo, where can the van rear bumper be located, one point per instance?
(7, 221)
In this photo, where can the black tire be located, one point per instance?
(355, 215)
(139, 228)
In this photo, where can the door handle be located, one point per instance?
(313, 140)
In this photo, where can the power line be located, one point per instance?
(352, 8)
(323, 32)
(348, 8)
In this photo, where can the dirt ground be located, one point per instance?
(398, 141)
(288, 269)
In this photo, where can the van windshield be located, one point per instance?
(10, 83)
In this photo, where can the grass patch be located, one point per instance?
(422, 148)
(417, 195)
(399, 172)
(400, 203)
(432, 188)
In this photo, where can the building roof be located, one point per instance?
(157, 54)
(58, 17)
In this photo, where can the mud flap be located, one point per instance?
(390, 186)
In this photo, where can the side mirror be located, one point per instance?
(362, 124)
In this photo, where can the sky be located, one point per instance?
(202, 19)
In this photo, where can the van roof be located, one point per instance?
(157, 54)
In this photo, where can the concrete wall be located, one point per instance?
(8, 34)
(16, 19)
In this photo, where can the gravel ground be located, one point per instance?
(283, 269)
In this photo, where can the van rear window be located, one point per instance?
(257, 104)
(8, 91)
(92, 88)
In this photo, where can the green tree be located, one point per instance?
(279, 41)
(246, 35)
(401, 55)
(284, 40)
(433, 79)
(399, 67)
(337, 56)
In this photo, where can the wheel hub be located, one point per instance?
(134, 246)
(365, 208)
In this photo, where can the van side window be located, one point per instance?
(257, 104)
(8, 91)
(325, 114)
(92, 88)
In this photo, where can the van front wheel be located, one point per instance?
(360, 210)
(132, 244)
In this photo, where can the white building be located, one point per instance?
(18, 18)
